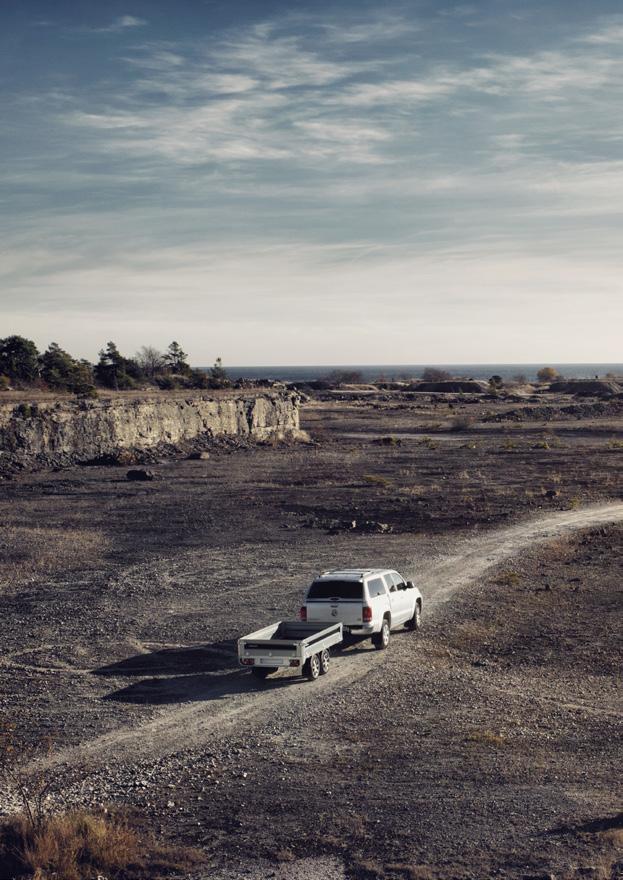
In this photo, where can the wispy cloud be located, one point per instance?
(610, 34)
(325, 157)
(121, 23)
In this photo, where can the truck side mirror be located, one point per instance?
(410, 585)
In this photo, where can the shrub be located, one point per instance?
(167, 383)
(5, 383)
(508, 579)
(79, 846)
(547, 374)
(461, 423)
(26, 410)
(86, 391)
(376, 480)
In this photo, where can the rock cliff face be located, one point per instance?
(83, 430)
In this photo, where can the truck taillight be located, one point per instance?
(303, 612)
(366, 614)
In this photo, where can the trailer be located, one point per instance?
(293, 644)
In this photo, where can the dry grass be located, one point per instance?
(377, 480)
(31, 552)
(486, 738)
(80, 846)
(614, 836)
(508, 579)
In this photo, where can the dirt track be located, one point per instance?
(240, 701)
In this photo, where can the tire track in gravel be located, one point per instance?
(222, 703)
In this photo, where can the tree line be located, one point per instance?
(22, 365)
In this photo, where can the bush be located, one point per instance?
(167, 383)
(547, 374)
(85, 391)
(26, 410)
(5, 383)
(461, 423)
(79, 846)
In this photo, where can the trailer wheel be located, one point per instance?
(312, 667)
(325, 659)
(263, 671)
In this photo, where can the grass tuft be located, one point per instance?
(80, 846)
(486, 738)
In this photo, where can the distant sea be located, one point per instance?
(371, 372)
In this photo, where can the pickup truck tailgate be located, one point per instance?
(349, 611)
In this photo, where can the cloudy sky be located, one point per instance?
(314, 182)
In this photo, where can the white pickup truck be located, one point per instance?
(369, 602)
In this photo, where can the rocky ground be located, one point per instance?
(487, 745)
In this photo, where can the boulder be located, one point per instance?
(140, 474)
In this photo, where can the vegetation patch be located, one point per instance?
(81, 846)
(486, 738)
(30, 552)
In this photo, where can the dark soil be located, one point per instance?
(487, 745)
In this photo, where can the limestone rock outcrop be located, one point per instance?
(83, 430)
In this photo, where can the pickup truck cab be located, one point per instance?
(369, 602)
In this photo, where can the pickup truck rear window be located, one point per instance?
(336, 590)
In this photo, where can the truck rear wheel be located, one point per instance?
(312, 667)
(325, 659)
(380, 640)
(263, 671)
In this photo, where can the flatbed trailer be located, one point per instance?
(293, 644)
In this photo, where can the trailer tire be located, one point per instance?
(312, 667)
(263, 671)
(325, 659)
(380, 640)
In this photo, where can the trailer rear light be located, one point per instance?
(303, 612)
(295, 662)
(248, 661)
(366, 615)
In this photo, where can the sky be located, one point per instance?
(314, 182)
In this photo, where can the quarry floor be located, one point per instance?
(488, 744)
